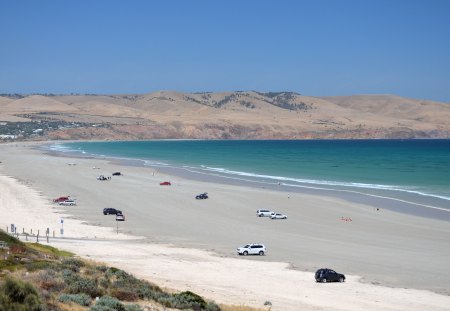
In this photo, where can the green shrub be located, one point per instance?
(83, 286)
(211, 306)
(38, 265)
(81, 299)
(124, 295)
(72, 264)
(49, 280)
(150, 291)
(133, 308)
(107, 303)
(101, 268)
(19, 296)
(185, 300)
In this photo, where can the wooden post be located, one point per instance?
(26, 237)
(37, 238)
(31, 230)
(47, 238)
(7, 229)
(53, 233)
(23, 230)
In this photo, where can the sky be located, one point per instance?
(315, 48)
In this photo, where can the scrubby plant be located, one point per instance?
(211, 306)
(38, 265)
(83, 286)
(107, 303)
(49, 280)
(125, 295)
(133, 308)
(72, 264)
(81, 299)
(101, 268)
(188, 299)
(19, 296)
(184, 300)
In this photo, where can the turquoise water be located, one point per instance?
(393, 168)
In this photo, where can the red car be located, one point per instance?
(61, 199)
(165, 183)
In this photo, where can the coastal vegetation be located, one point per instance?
(35, 277)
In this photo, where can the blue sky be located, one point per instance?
(312, 47)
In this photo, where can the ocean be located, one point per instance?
(410, 171)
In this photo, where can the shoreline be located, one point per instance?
(184, 243)
(374, 198)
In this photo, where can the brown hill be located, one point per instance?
(239, 115)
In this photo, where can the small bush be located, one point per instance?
(38, 265)
(150, 291)
(72, 264)
(83, 286)
(125, 295)
(19, 296)
(81, 299)
(183, 300)
(211, 306)
(101, 268)
(107, 303)
(49, 280)
(189, 300)
(133, 308)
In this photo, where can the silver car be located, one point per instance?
(68, 203)
(278, 216)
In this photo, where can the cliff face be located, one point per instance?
(230, 115)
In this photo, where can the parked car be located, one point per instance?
(278, 216)
(68, 203)
(165, 183)
(111, 211)
(202, 196)
(263, 213)
(328, 275)
(101, 177)
(120, 217)
(252, 249)
(61, 199)
(117, 174)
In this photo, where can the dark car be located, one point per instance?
(61, 199)
(328, 275)
(117, 174)
(111, 211)
(202, 196)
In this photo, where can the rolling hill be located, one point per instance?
(227, 115)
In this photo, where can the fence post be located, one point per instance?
(47, 238)
(37, 238)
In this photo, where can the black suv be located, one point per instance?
(328, 275)
(202, 196)
(111, 211)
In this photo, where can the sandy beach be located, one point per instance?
(392, 260)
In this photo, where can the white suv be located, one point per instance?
(252, 249)
(263, 213)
